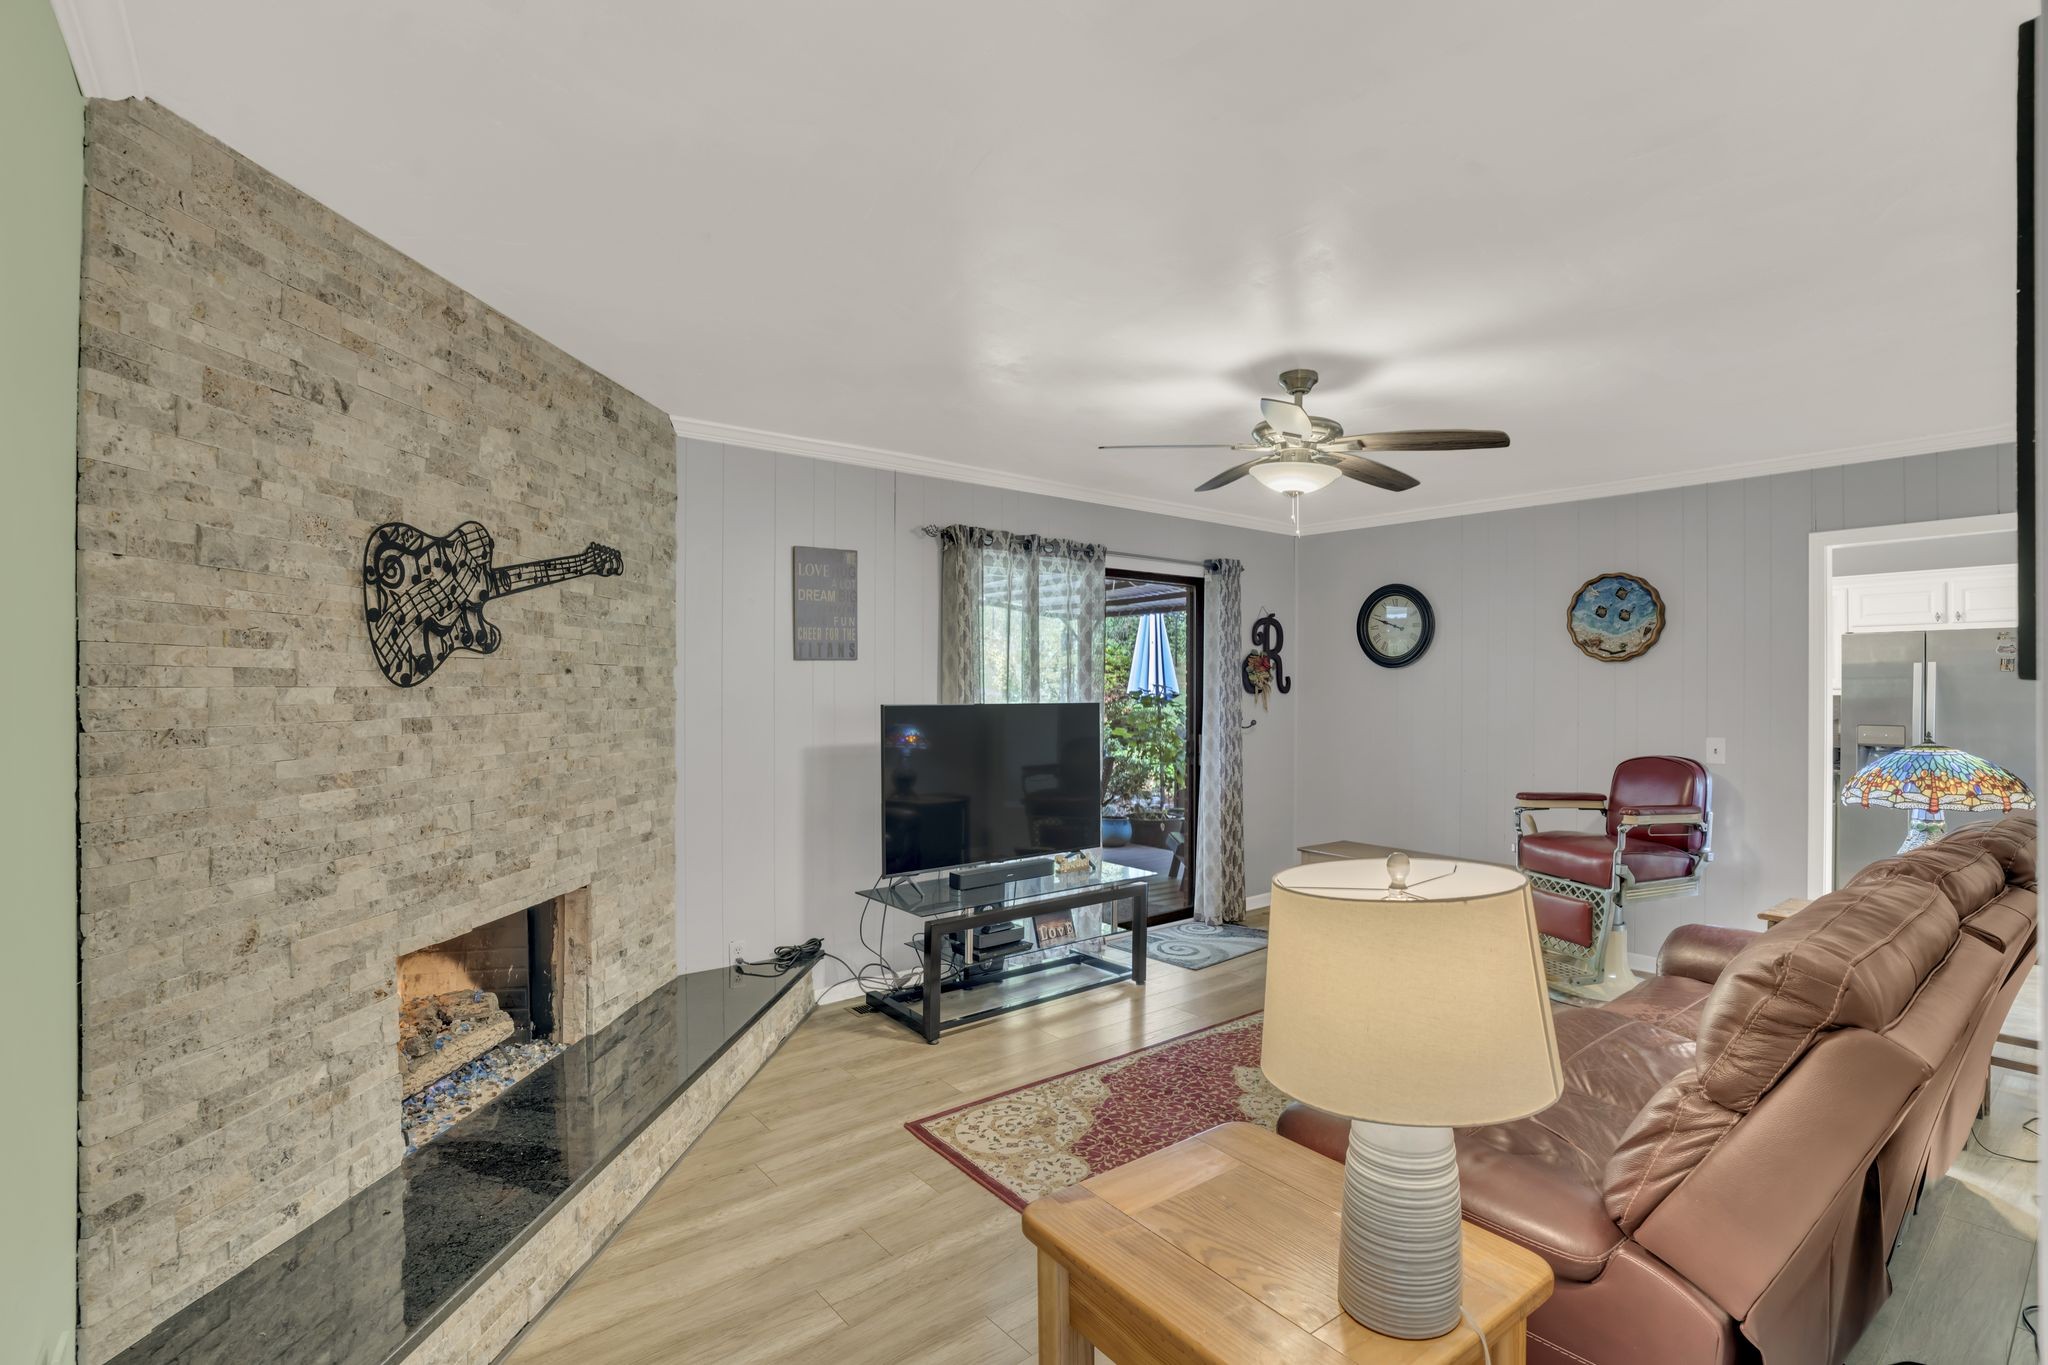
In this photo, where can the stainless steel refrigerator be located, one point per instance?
(1956, 687)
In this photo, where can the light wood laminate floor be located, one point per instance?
(806, 1227)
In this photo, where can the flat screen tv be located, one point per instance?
(977, 784)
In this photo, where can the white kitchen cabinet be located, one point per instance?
(1932, 599)
(1894, 601)
(1983, 597)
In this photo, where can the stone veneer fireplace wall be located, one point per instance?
(268, 824)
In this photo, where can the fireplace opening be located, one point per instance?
(480, 1012)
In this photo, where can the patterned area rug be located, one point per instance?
(1059, 1131)
(1185, 943)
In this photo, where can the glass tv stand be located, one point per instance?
(962, 986)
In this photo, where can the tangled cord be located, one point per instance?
(791, 956)
(892, 979)
(788, 958)
(877, 976)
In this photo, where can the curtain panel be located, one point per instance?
(1020, 616)
(1219, 822)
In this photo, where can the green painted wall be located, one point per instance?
(42, 179)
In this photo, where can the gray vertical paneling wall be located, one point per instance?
(778, 799)
(779, 794)
(1431, 755)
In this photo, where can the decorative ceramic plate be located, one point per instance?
(1615, 616)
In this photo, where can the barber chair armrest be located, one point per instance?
(1561, 800)
(1661, 815)
(1701, 951)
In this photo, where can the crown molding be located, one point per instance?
(102, 49)
(926, 466)
(1652, 483)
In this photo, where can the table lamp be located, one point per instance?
(1359, 1021)
(1929, 780)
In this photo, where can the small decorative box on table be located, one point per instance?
(1223, 1249)
(1043, 971)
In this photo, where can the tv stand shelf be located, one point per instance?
(941, 909)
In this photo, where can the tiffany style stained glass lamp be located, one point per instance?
(1929, 780)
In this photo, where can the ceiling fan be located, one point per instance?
(1299, 453)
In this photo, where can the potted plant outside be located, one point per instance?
(1122, 781)
(1149, 748)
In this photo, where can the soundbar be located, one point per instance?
(995, 874)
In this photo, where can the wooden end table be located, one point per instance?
(1783, 910)
(1346, 850)
(1222, 1250)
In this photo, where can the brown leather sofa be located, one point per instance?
(1742, 1135)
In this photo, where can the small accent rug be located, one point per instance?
(1194, 946)
(1057, 1132)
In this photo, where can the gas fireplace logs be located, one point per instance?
(438, 1033)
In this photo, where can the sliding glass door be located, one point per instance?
(1151, 703)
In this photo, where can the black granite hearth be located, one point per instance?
(366, 1283)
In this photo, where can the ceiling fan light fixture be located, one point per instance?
(1294, 452)
(1295, 477)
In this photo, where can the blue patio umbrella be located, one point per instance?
(1152, 661)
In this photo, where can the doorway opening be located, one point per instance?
(1913, 639)
(1152, 725)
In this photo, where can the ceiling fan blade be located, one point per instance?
(1291, 418)
(1449, 439)
(1373, 472)
(1230, 475)
(1222, 445)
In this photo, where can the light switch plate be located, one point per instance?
(1717, 751)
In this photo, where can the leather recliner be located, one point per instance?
(1741, 1136)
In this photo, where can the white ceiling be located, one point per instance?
(1657, 242)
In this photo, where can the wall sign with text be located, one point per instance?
(1055, 928)
(824, 599)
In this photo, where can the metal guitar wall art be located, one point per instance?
(423, 596)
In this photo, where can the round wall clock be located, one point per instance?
(1615, 616)
(1395, 626)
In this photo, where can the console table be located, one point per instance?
(940, 909)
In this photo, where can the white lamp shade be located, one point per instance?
(1429, 1012)
(1295, 476)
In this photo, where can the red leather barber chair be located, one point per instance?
(1654, 842)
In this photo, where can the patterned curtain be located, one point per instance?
(1020, 617)
(1219, 823)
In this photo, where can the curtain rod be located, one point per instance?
(933, 529)
(1157, 559)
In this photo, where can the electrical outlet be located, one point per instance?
(1717, 751)
(738, 952)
